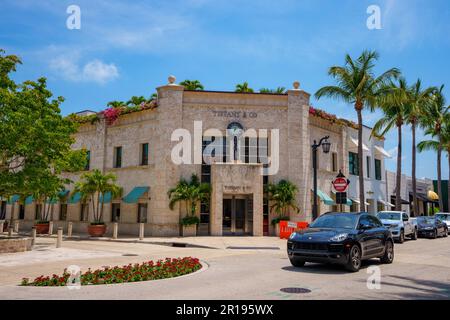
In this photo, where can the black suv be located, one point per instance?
(342, 238)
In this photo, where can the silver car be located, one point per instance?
(445, 217)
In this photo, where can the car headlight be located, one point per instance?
(292, 236)
(339, 237)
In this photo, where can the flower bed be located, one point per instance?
(161, 269)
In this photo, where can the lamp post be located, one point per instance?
(326, 149)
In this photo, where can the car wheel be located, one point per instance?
(414, 235)
(445, 233)
(297, 262)
(435, 234)
(388, 256)
(354, 259)
(401, 239)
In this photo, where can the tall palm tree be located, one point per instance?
(191, 193)
(393, 103)
(278, 90)
(418, 99)
(243, 87)
(193, 85)
(135, 100)
(94, 186)
(116, 104)
(435, 116)
(357, 85)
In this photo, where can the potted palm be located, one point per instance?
(93, 186)
(282, 196)
(190, 193)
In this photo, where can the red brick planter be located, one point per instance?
(42, 228)
(97, 230)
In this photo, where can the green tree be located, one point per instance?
(93, 187)
(116, 104)
(358, 85)
(243, 87)
(394, 106)
(193, 85)
(191, 193)
(282, 196)
(435, 117)
(278, 90)
(136, 101)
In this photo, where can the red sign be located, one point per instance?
(340, 184)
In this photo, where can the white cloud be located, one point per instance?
(93, 71)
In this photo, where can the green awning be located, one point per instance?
(106, 198)
(325, 198)
(29, 200)
(61, 194)
(75, 198)
(135, 194)
(349, 202)
(13, 199)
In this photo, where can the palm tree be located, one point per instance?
(435, 116)
(418, 99)
(282, 195)
(154, 96)
(116, 104)
(135, 100)
(278, 90)
(193, 85)
(94, 186)
(393, 103)
(243, 87)
(191, 193)
(357, 84)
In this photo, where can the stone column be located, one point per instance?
(59, 237)
(69, 229)
(299, 150)
(50, 228)
(33, 236)
(2, 223)
(115, 230)
(216, 210)
(16, 226)
(141, 231)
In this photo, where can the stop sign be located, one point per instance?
(340, 184)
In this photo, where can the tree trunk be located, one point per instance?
(414, 179)
(360, 162)
(398, 199)
(439, 172)
(448, 184)
(11, 219)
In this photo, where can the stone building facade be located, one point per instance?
(238, 204)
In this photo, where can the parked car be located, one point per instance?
(444, 216)
(400, 224)
(341, 238)
(431, 227)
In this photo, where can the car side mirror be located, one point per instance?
(405, 219)
(364, 227)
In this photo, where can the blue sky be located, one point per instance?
(127, 48)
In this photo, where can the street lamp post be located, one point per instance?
(326, 149)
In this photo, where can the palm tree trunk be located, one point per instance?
(398, 199)
(360, 161)
(448, 184)
(11, 219)
(414, 181)
(439, 169)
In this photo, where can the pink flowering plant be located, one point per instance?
(161, 269)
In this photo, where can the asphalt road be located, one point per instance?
(421, 270)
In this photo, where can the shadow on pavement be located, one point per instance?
(427, 289)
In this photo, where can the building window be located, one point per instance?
(368, 166)
(117, 157)
(144, 154)
(38, 212)
(377, 169)
(115, 212)
(334, 162)
(88, 161)
(3, 211)
(21, 212)
(63, 212)
(353, 163)
(84, 212)
(142, 213)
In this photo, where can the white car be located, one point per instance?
(400, 224)
(445, 217)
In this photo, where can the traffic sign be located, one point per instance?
(340, 184)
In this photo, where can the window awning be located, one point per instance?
(29, 200)
(13, 199)
(135, 194)
(386, 203)
(106, 198)
(403, 200)
(432, 195)
(359, 202)
(383, 152)
(61, 194)
(325, 198)
(356, 143)
(75, 198)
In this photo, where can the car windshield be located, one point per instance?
(427, 220)
(336, 221)
(389, 216)
(443, 216)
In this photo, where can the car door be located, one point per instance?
(407, 224)
(379, 234)
(366, 236)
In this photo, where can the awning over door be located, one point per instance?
(106, 198)
(356, 143)
(29, 200)
(383, 152)
(324, 197)
(135, 194)
(75, 198)
(13, 199)
(432, 195)
(359, 202)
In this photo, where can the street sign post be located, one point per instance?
(340, 184)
